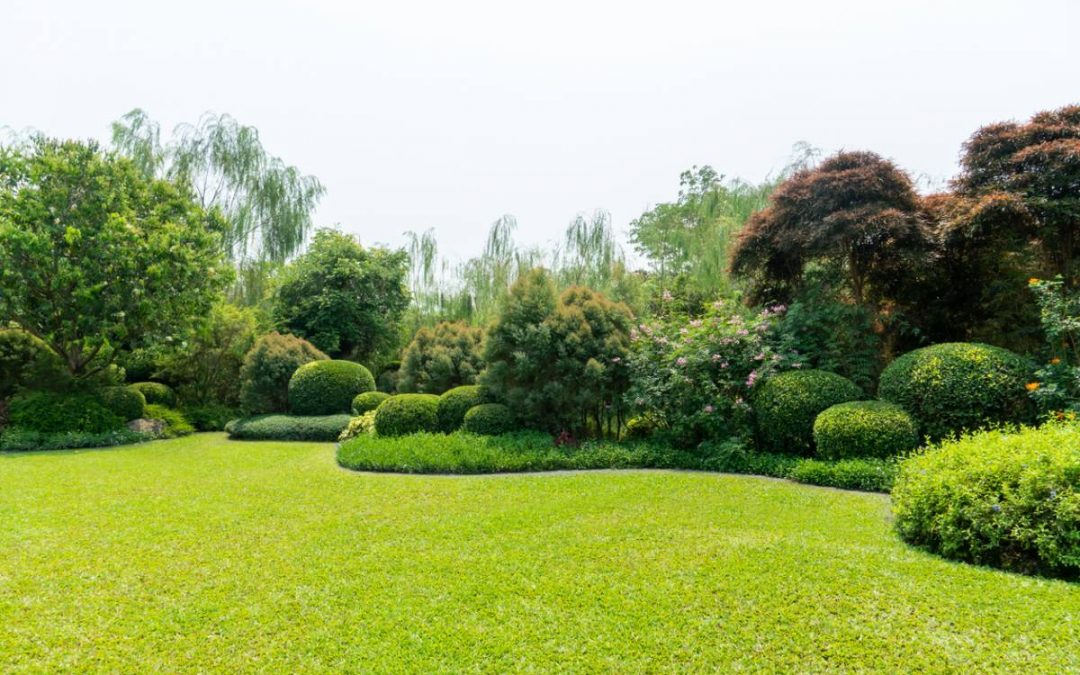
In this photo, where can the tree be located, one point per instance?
(442, 358)
(95, 257)
(346, 299)
(266, 204)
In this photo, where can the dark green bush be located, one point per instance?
(26, 361)
(368, 401)
(489, 419)
(156, 393)
(288, 428)
(175, 423)
(454, 404)
(864, 429)
(23, 440)
(786, 405)
(327, 387)
(1009, 499)
(49, 412)
(407, 414)
(958, 386)
(126, 402)
(268, 366)
(210, 417)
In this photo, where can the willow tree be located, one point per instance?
(266, 204)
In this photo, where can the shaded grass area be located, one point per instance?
(200, 554)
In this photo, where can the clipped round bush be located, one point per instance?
(489, 419)
(407, 414)
(126, 402)
(49, 412)
(454, 404)
(268, 367)
(368, 401)
(999, 498)
(327, 387)
(957, 386)
(787, 404)
(864, 429)
(156, 393)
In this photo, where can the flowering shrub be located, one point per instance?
(1056, 387)
(692, 377)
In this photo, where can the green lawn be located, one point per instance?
(202, 554)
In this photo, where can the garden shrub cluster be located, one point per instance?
(267, 369)
(368, 401)
(23, 440)
(327, 387)
(1009, 499)
(156, 393)
(176, 424)
(453, 405)
(210, 416)
(787, 404)
(407, 414)
(288, 428)
(489, 419)
(864, 429)
(52, 412)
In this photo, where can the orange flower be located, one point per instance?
(1055, 361)
(1031, 386)
(1033, 280)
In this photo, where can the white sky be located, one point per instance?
(449, 114)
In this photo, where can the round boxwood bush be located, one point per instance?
(489, 419)
(454, 404)
(127, 402)
(864, 429)
(958, 386)
(368, 401)
(407, 414)
(1002, 498)
(327, 387)
(268, 366)
(49, 412)
(156, 393)
(786, 405)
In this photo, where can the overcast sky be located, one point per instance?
(446, 115)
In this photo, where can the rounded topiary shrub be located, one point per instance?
(268, 366)
(49, 412)
(407, 414)
(864, 429)
(368, 401)
(489, 419)
(455, 403)
(786, 405)
(127, 402)
(958, 386)
(1006, 499)
(156, 393)
(327, 387)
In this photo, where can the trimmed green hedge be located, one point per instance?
(24, 440)
(786, 405)
(368, 401)
(864, 429)
(288, 428)
(407, 414)
(489, 419)
(958, 386)
(175, 423)
(156, 393)
(1000, 498)
(128, 403)
(327, 387)
(49, 412)
(454, 404)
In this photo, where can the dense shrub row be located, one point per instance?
(787, 405)
(288, 427)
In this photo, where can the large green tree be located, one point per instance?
(94, 256)
(346, 299)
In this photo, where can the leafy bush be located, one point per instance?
(268, 366)
(864, 429)
(1009, 499)
(210, 416)
(488, 419)
(175, 423)
(454, 404)
(156, 393)
(869, 475)
(127, 403)
(359, 426)
(50, 412)
(640, 428)
(958, 386)
(368, 401)
(288, 428)
(26, 361)
(407, 414)
(23, 440)
(327, 387)
(1057, 381)
(441, 358)
(787, 404)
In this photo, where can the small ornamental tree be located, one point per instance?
(93, 256)
(441, 358)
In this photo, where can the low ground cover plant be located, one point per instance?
(288, 427)
(22, 440)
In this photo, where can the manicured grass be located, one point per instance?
(202, 554)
